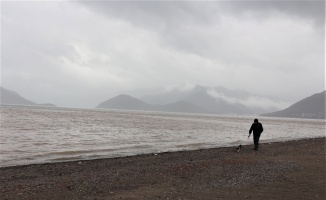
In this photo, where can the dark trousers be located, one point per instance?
(256, 140)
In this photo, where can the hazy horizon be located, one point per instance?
(80, 53)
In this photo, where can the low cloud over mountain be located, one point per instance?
(218, 100)
(126, 102)
(199, 99)
(248, 100)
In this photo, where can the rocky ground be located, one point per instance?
(283, 170)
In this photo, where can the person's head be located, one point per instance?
(256, 121)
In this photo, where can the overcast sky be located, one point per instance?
(80, 53)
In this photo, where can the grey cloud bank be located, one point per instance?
(81, 53)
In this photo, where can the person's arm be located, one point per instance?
(250, 130)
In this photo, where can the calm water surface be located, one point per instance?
(41, 134)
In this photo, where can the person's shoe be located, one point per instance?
(255, 149)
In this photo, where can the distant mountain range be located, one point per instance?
(198, 99)
(311, 107)
(8, 97)
(126, 102)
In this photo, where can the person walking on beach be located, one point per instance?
(257, 129)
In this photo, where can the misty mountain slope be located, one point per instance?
(9, 97)
(12, 98)
(233, 93)
(214, 105)
(126, 102)
(170, 96)
(311, 107)
(185, 107)
(218, 100)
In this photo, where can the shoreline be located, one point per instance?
(279, 170)
(246, 143)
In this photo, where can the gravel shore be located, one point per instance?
(281, 170)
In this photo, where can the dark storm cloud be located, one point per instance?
(163, 13)
(305, 10)
(191, 26)
(247, 38)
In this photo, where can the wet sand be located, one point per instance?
(281, 170)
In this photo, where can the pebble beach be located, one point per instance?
(279, 170)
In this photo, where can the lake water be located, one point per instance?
(41, 134)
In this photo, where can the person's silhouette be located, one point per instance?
(257, 129)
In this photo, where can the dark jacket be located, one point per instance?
(257, 128)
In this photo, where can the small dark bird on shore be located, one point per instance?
(239, 148)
